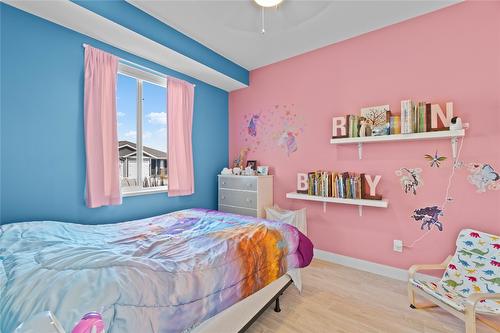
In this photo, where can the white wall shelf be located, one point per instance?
(357, 202)
(453, 135)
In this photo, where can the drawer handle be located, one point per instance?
(249, 185)
(223, 183)
(249, 200)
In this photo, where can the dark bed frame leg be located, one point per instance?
(277, 305)
(275, 299)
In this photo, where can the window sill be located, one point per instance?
(144, 191)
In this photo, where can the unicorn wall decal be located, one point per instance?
(429, 216)
(252, 125)
(410, 179)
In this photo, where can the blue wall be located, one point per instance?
(42, 140)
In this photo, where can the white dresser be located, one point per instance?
(245, 195)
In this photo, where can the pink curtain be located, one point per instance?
(101, 142)
(180, 97)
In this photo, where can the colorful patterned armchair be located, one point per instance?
(471, 281)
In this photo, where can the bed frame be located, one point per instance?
(240, 316)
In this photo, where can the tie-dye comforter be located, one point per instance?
(163, 274)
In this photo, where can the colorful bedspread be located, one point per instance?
(163, 274)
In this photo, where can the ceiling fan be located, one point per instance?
(266, 4)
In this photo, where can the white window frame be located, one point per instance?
(140, 76)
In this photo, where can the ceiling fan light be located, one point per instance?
(268, 3)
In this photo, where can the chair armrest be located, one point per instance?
(413, 269)
(473, 299)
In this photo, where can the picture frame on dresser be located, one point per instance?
(245, 195)
(252, 164)
(262, 170)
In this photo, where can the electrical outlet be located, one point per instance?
(398, 245)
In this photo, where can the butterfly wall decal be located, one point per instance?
(434, 160)
(483, 176)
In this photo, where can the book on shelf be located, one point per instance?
(353, 126)
(407, 116)
(421, 117)
(428, 127)
(395, 125)
(415, 118)
(343, 185)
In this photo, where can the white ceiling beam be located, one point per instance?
(84, 21)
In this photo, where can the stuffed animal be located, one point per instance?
(226, 171)
(249, 171)
(241, 160)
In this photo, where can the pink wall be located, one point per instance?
(449, 55)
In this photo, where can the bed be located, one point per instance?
(170, 273)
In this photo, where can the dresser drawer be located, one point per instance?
(238, 210)
(238, 183)
(238, 198)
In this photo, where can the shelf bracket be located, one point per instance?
(454, 143)
(360, 150)
(360, 210)
(324, 207)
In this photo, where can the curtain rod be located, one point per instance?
(139, 66)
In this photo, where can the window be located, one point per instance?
(142, 131)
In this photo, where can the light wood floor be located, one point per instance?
(340, 299)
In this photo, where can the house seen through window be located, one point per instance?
(142, 130)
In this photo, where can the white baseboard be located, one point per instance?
(364, 265)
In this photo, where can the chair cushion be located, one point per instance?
(436, 289)
(474, 268)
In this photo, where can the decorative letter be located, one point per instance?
(372, 184)
(302, 183)
(436, 112)
(339, 123)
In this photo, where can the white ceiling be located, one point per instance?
(232, 28)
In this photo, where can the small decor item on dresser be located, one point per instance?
(262, 170)
(226, 171)
(239, 162)
(236, 171)
(252, 164)
(249, 171)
